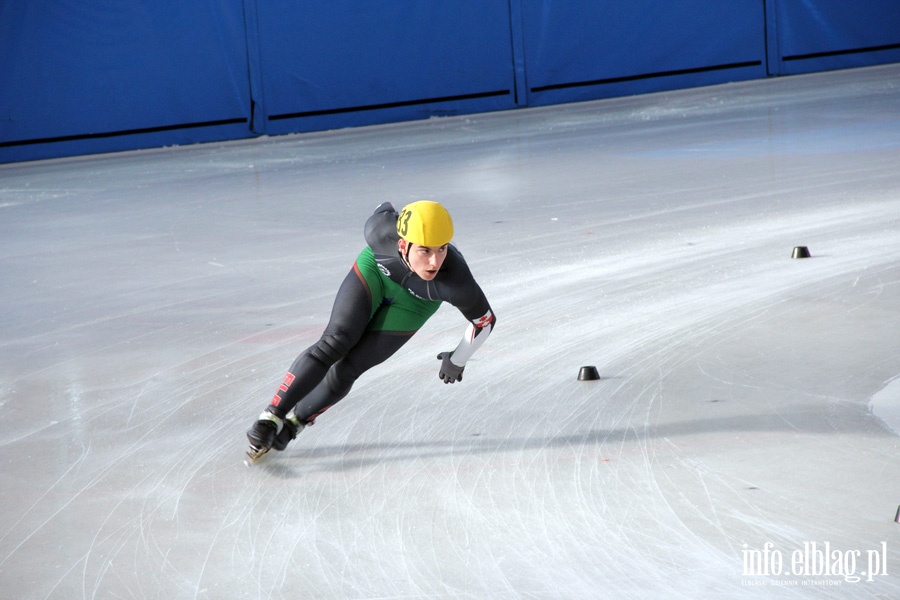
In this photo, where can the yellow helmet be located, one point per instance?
(426, 223)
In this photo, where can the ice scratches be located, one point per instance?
(40, 501)
(650, 236)
(874, 291)
(886, 405)
(6, 393)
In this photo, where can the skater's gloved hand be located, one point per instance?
(449, 373)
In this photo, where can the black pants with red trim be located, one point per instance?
(325, 372)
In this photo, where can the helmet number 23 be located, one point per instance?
(403, 222)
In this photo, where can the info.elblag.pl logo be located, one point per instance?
(817, 563)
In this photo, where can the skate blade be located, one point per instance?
(253, 455)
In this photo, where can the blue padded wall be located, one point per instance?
(81, 76)
(817, 35)
(586, 50)
(84, 76)
(334, 63)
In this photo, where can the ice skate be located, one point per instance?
(262, 435)
(292, 427)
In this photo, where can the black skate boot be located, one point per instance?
(263, 434)
(292, 426)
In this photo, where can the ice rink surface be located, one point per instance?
(740, 443)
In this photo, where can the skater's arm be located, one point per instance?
(474, 306)
(454, 363)
(468, 297)
(475, 335)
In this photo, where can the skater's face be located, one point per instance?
(424, 261)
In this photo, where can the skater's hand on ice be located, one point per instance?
(450, 373)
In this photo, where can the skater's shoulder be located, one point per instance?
(455, 272)
(381, 228)
(455, 263)
(386, 207)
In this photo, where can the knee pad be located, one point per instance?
(330, 348)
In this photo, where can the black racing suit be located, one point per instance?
(379, 306)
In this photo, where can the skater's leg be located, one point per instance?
(391, 326)
(349, 317)
(353, 308)
(374, 347)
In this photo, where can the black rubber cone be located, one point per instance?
(588, 374)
